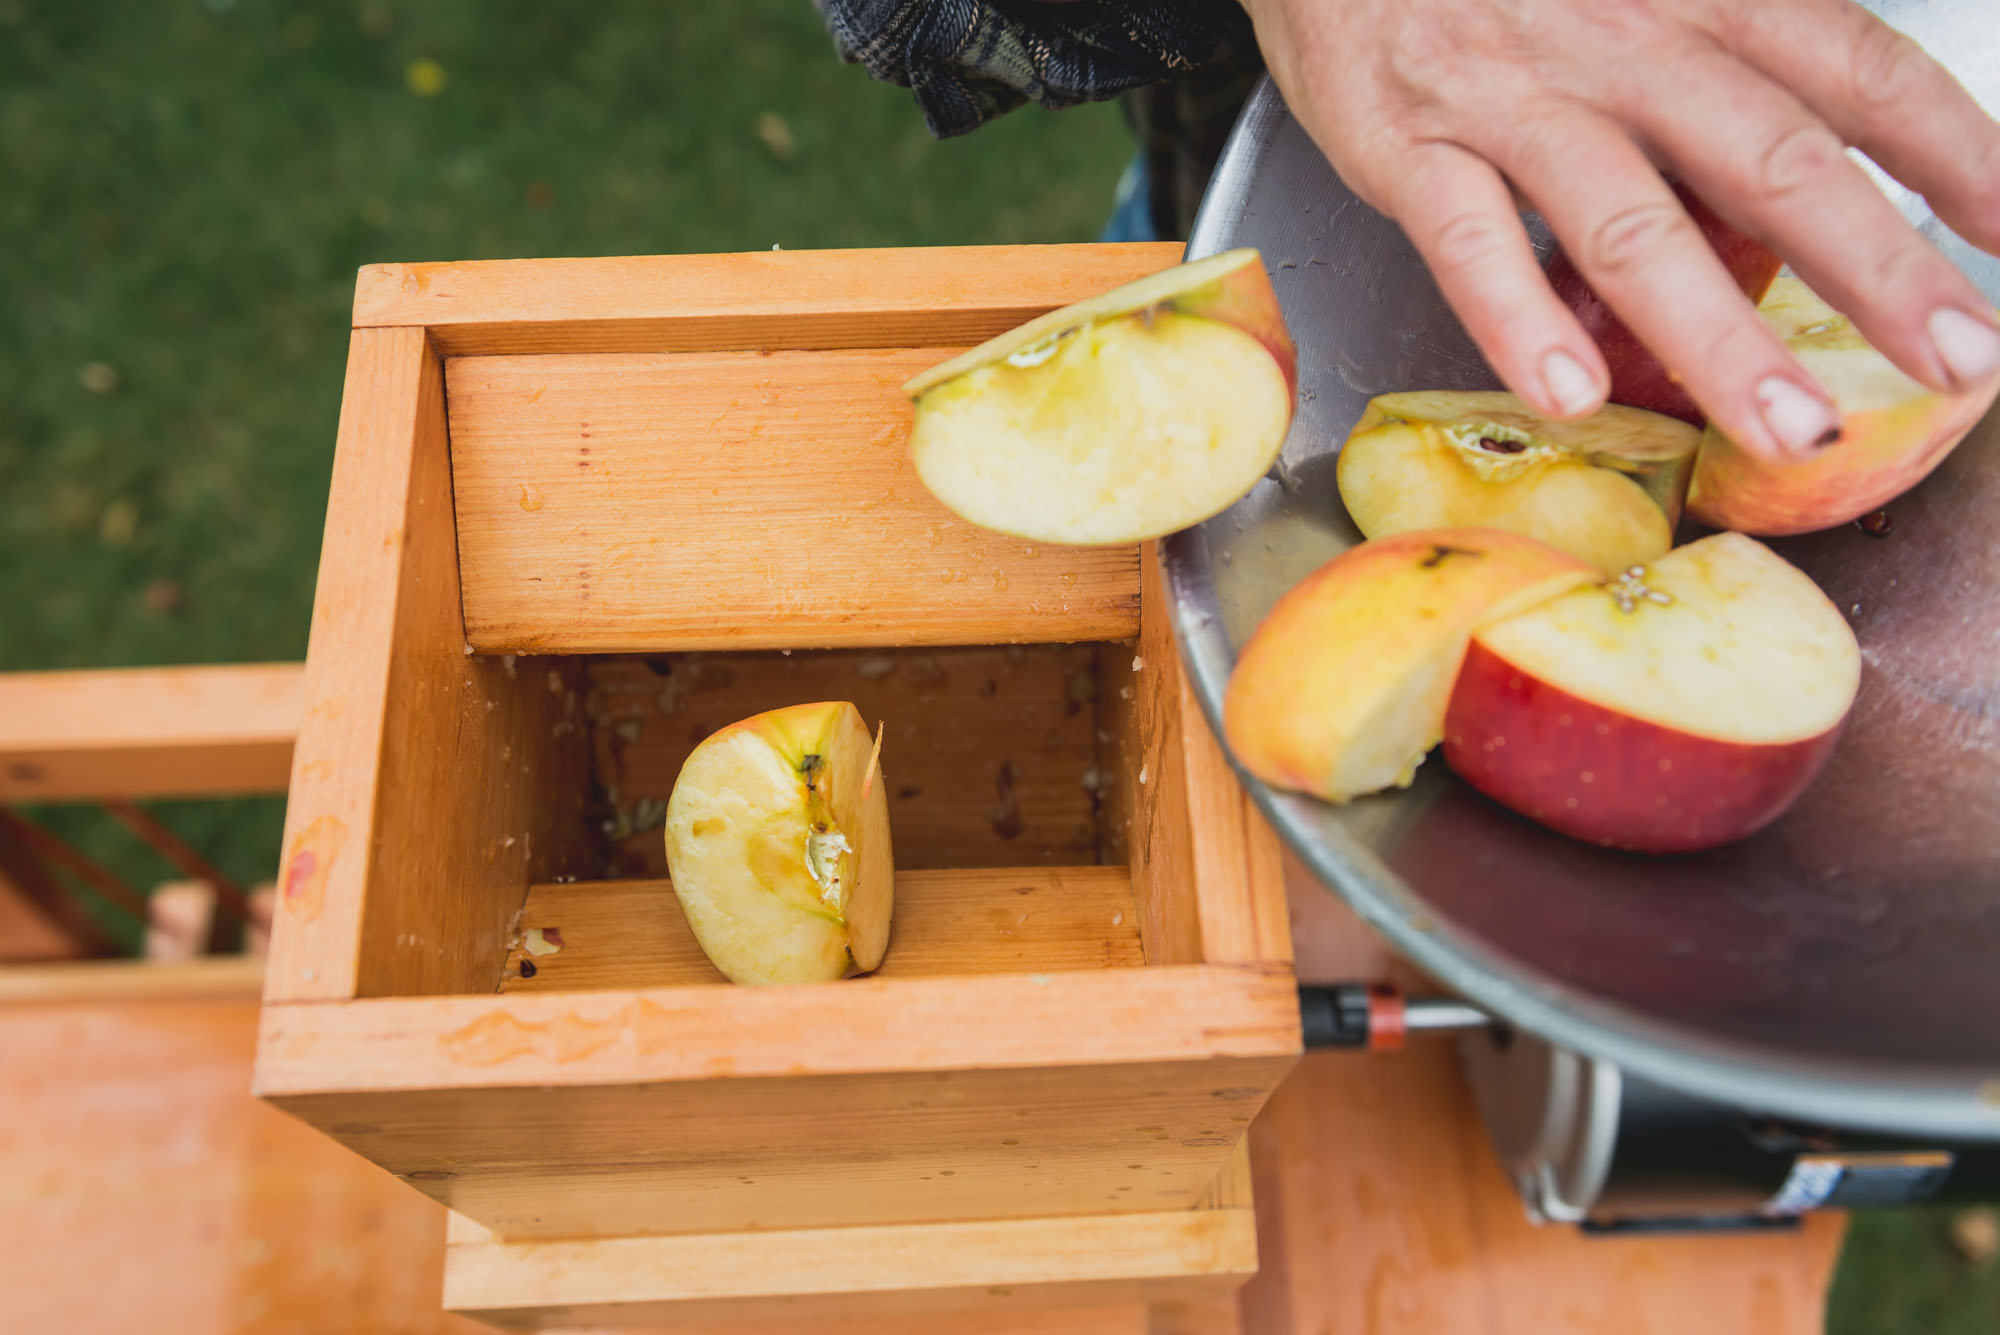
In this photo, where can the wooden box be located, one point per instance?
(584, 512)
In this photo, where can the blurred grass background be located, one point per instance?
(186, 189)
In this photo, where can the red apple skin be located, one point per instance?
(1638, 378)
(1606, 778)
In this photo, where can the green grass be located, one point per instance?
(189, 188)
(186, 190)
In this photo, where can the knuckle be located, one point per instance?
(1799, 155)
(1633, 237)
(1469, 241)
(1884, 68)
(1895, 270)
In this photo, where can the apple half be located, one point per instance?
(1605, 489)
(1342, 690)
(1117, 420)
(1893, 432)
(1683, 705)
(778, 845)
(1638, 378)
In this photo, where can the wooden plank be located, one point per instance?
(735, 500)
(761, 300)
(631, 934)
(422, 775)
(1151, 784)
(146, 1190)
(992, 754)
(718, 1109)
(1016, 1266)
(148, 732)
(133, 980)
(1382, 1208)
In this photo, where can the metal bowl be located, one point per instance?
(1842, 966)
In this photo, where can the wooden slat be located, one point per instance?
(631, 934)
(440, 783)
(133, 980)
(992, 754)
(148, 732)
(1016, 1266)
(29, 933)
(1187, 1013)
(39, 918)
(735, 500)
(1381, 1208)
(761, 300)
(1151, 790)
(717, 1109)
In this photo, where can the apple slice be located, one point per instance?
(778, 845)
(1119, 419)
(1638, 378)
(1342, 690)
(1605, 489)
(1680, 706)
(1893, 432)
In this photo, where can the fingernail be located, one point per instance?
(1802, 423)
(1571, 387)
(1969, 348)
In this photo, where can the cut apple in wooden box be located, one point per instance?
(1605, 489)
(1122, 418)
(584, 514)
(778, 843)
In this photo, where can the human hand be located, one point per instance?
(1430, 108)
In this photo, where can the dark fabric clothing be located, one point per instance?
(1184, 67)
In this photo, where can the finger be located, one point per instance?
(1630, 238)
(1460, 215)
(1758, 156)
(1882, 93)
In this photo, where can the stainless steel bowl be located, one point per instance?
(1843, 966)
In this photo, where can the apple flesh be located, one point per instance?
(1638, 378)
(1605, 489)
(1342, 690)
(1117, 420)
(778, 845)
(1681, 706)
(1893, 432)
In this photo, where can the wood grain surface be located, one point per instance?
(735, 500)
(993, 755)
(429, 787)
(148, 732)
(757, 300)
(717, 1109)
(631, 934)
(997, 1268)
